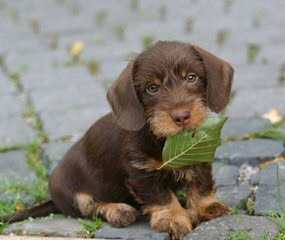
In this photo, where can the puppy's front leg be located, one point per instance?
(160, 203)
(202, 202)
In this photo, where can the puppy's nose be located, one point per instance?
(181, 118)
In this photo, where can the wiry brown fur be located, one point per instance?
(117, 214)
(113, 169)
(203, 208)
(170, 216)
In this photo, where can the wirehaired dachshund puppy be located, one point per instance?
(112, 171)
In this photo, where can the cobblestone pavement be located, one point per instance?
(48, 98)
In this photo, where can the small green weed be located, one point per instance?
(135, 5)
(10, 148)
(235, 211)
(272, 133)
(2, 227)
(16, 78)
(93, 66)
(250, 206)
(120, 31)
(258, 18)
(33, 152)
(35, 25)
(222, 37)
(253, 51)
(282, 74)
(101, 17)
(189, 25)
(279, 218)
(2, 62)
(147, 41)
(240, 235)
(31, 116)
(228, 5)
(90, 227)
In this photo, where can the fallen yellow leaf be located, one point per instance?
(274, 116)
(76, 49)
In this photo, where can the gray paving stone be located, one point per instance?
(110, 70)
(5, 85)
(69, 97)
(36, 61)
(10, 105)
(14, 168)
(56, 226)
(140, 230)
(224, 227)
(272, 52)
(270, 195)
(53, 153)
(256, 102)
(15, 131)
(226, 175)
(59, 22)
(229, 190)
(242, 126)
(252, 152)
(268, 176)
(73, 123)
(11, 40)
(117, 52)
(268, 201)
(246, 76)
(234, 195)
(49, 80)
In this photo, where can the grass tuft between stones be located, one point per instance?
(15, 77)
(147, 41)
(280, 219)
(10, 148)
(273, 132)
(240, 235)
(33, 118)
(90, 227)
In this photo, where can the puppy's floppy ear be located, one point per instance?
(219, 79)
(127, 109)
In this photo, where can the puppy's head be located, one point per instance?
(170, 86)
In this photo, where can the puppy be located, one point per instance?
(112, 171)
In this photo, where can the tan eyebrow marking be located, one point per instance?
(184, 73)
(157, 81)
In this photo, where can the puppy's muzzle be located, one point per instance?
(181, 117)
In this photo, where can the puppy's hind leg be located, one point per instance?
(116, 214)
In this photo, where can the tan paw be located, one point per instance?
(120, 214)
(214, 210)
(177, 223)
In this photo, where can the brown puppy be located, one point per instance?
(113, 168)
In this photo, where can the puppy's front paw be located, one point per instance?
(175, 222)
(214, 210)
(120, 214)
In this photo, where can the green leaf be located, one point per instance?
(272, 133)
(190, 147)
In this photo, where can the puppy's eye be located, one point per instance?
(192, 77)
(152, 89)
